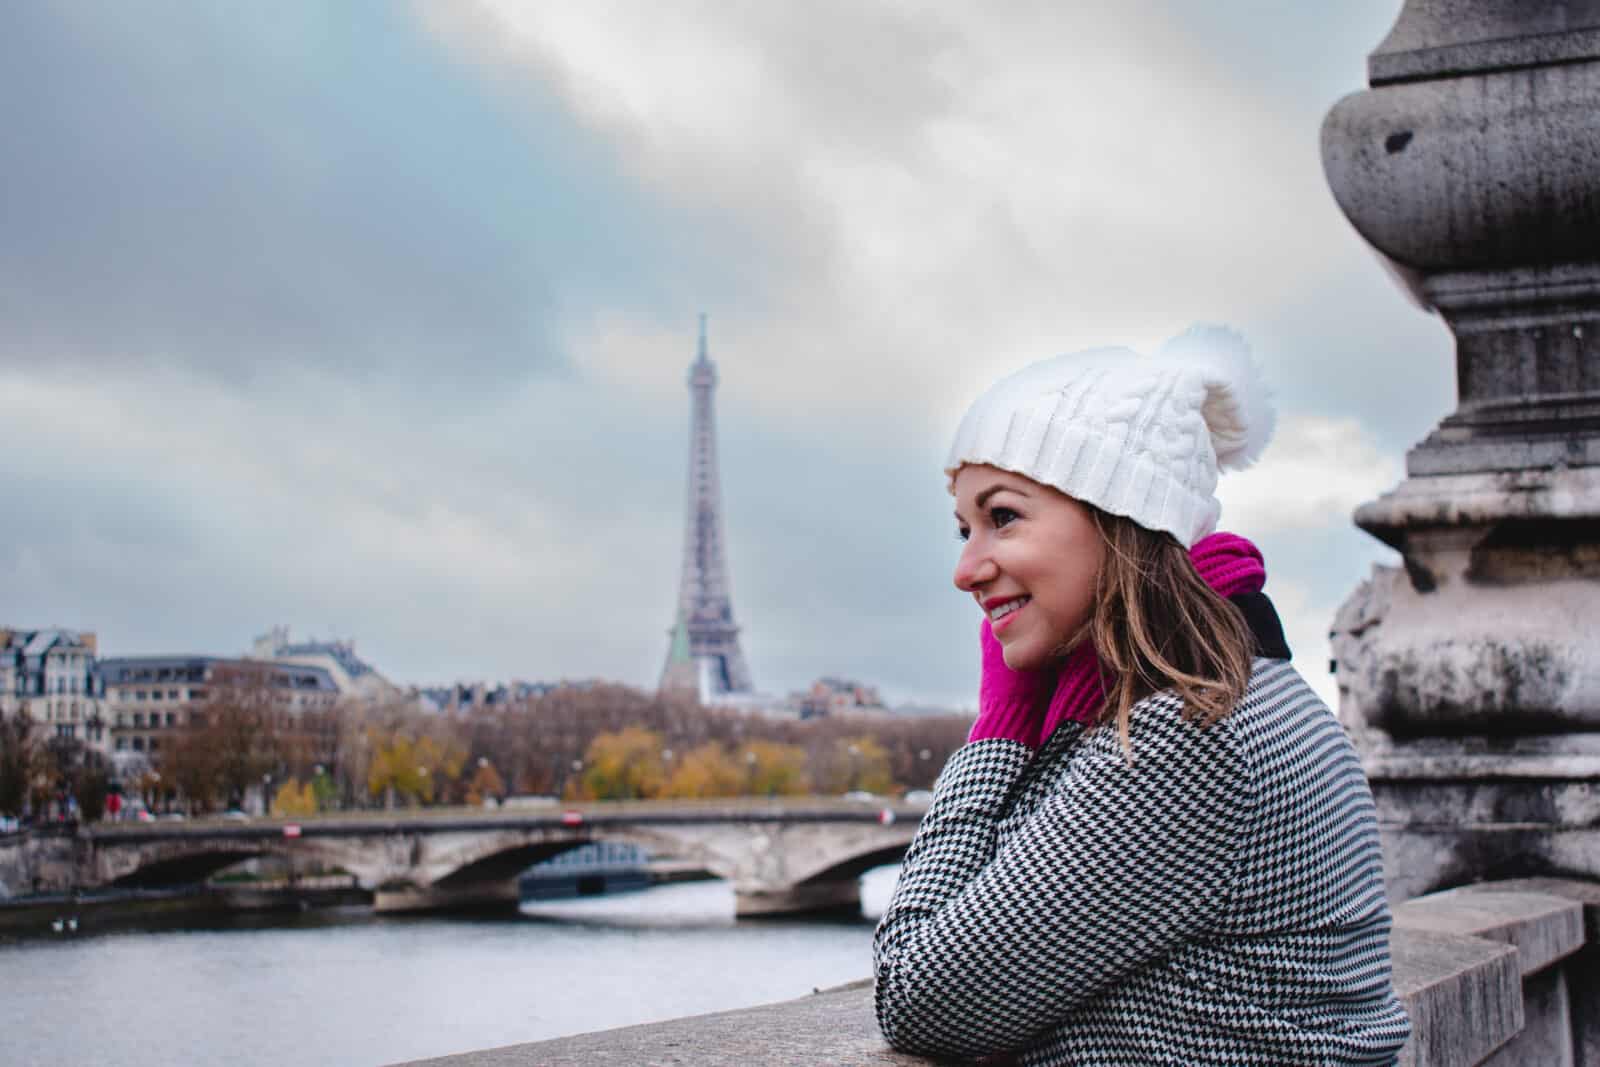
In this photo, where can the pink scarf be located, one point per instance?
(1230, 564)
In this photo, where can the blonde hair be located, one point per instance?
(1158, 625)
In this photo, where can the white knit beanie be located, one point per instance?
(1140, 436)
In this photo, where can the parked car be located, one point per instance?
(236, 815)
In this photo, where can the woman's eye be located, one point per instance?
(962, 533)
(1001, 516)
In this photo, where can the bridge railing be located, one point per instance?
(718, 809)
(595, 814)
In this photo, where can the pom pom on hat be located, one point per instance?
(1238, 408)
(1139, 436)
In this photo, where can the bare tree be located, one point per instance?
(19, 760)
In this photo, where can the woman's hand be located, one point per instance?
(1011, 704)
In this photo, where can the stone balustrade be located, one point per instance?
(1501, 973)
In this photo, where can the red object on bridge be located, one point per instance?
(886, 816)
(572, 818)
(291, 829)
(113, 803)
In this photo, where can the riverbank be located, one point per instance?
(63, 914)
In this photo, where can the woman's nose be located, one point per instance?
(974, 567)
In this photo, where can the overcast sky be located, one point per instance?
(373, 319)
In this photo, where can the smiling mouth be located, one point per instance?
(1006, 610)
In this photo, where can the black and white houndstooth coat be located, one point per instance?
(1219, 901)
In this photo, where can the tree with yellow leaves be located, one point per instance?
(705, 771)
(625, 765)
(773, 769)
(857, 763)
(294, 800)
(406, 767)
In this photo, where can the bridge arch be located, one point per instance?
(854, 866)
(185, 863)
(507, 861)
(501, 859)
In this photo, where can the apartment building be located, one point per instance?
(149, 699)
(51, 675)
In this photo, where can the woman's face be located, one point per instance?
(1030, 561)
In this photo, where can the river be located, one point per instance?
(352, 989)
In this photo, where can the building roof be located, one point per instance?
(158, 669)
(41, 641)
(342, 652)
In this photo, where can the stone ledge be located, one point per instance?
(1542, 928)
(1464, 996)
(835, 1026)
(1459, 961)
(1584, 893)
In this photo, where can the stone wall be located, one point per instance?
(1501, 973)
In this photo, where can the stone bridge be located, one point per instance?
(782, 857)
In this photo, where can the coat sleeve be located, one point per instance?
(983, 948)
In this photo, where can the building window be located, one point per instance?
(155, 743)
(122, 743)
(139, 694)
(138, 718)
(172, 718)
(138, 744)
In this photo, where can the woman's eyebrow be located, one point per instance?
(992, 490)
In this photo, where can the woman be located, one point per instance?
(1158, 845)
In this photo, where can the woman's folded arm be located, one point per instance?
(982, 949)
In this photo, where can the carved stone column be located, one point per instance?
(1471, 676)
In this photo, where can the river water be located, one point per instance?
(348, 988)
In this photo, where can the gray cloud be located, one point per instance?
(235, 191)
(314, 317)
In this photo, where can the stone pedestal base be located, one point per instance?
(804, 899)
(489, 897)
(1458, 810)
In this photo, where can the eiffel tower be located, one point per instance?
(704, 656)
